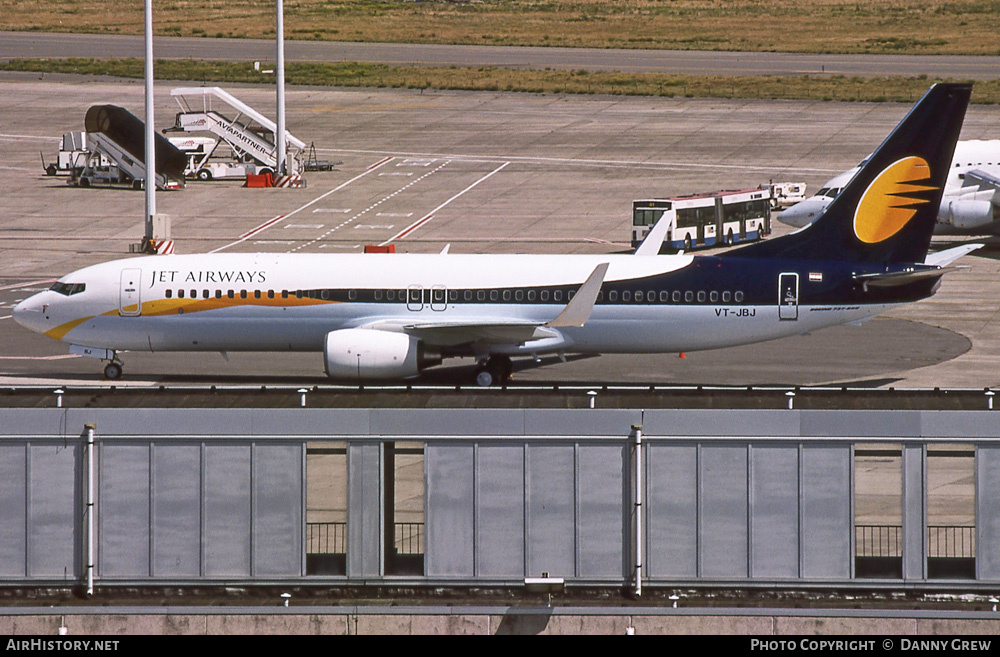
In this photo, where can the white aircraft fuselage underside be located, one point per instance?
(621, 330)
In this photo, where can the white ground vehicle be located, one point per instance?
(73, 152)
(241, 145)
(115, 154)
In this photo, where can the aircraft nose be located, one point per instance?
(28, 313)
(800, 214)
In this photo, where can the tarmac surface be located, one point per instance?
(485, 173)
(687, 62)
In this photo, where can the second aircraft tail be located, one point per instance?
(887, 212)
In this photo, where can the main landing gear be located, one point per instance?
(495, 370)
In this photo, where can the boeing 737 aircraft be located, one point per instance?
(970, 204)
(391, 316)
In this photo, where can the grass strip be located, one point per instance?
(490, 78)
(952, 27)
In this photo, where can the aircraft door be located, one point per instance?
(439, 297)
(129, 303)
(415, 298)
(788, 296)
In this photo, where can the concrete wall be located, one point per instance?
(216, 495)
(498, 621)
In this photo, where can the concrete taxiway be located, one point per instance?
(485, 173)
(631, 60)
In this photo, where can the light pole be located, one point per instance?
(279, 138)
(147, 242)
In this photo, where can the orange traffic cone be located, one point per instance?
(681, 355)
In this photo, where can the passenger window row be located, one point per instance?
(230, 294)
(676, 296)
(437, 295)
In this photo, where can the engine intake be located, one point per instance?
(364, 354)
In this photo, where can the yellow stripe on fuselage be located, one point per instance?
(59, 332)
(161, 307)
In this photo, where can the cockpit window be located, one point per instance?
(68, 289)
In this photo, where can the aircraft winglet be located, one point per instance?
(577, 311)
(654, 239)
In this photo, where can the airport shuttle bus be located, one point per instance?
(704, 220)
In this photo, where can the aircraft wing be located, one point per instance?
(498, 331)
(505, 330)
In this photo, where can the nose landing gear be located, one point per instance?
(113, 370)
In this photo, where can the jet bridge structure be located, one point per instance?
(248, 134)
(116, 152)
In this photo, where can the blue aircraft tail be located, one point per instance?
(887, 212)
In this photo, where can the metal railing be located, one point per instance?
(326, 538)
(878, 541)
(951, 541)
(331, 537)
(408, 537)
(943, 541)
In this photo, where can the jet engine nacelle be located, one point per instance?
(373, 354)
(967, 213)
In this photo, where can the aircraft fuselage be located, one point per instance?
(266, 302)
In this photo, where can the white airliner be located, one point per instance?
(970, 204)
(391, 316)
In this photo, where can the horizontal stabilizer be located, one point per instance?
(897, 278)
(948, 256)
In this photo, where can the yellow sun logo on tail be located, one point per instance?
(888, 205)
